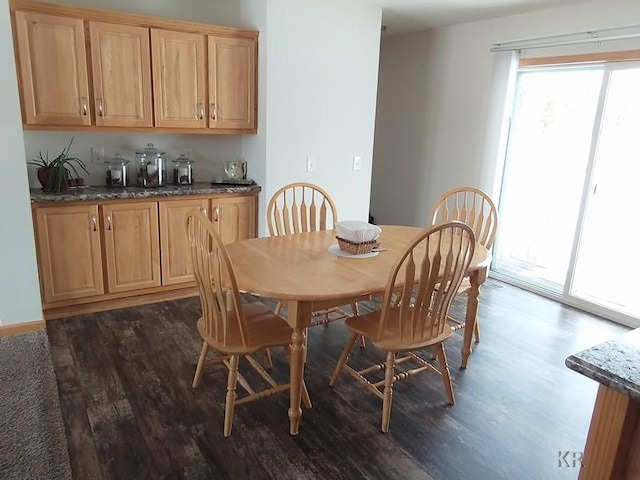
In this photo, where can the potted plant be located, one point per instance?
(56, 175)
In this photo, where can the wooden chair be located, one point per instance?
(413, 314)
(304, 207)
(476, 209)
(233, 329)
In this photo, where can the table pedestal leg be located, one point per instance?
(476, 279)
(299, 316)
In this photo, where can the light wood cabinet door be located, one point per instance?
(69, 253)
(176, 256)
(53, 69)
(232, 82)
(121, 67)
(235, 217)
(132, 250)
(178, 79)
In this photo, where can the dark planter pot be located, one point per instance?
(49, 184)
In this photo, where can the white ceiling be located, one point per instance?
(405, 16)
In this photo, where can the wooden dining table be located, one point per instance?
(301, 272)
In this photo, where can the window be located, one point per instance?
(568, 207)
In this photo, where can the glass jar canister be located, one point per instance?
(150, 167)
(117, 171)
(183, 170)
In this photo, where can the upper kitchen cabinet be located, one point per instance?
(121, 67)
(179, 79)
(232, 82)
(53, 69)
(99, 70)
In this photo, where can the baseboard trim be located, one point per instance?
(104, 305)
(18, 328)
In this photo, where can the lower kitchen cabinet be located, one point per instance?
(234, 218)
(98, 255)
(176, 257)
(69, 252)
(131, 246)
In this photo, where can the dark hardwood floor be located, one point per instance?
(124, 378)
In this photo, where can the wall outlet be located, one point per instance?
(97, 155)
(311, 164)
(357, 163)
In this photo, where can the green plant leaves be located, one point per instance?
(61, 168)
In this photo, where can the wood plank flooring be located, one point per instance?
(124, 378)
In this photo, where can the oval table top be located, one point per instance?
(300, 267)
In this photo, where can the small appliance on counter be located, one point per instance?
(183, 170)
(117, 171)
(150, 167)
(235, 174)
(236, 169)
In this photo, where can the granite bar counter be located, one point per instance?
(79, 194)
(612, 449)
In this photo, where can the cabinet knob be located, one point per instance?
(109, 225)
(200, 111)
(94, 223)
(83, 107)
(216, 213)
(213, 111)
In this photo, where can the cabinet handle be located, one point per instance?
(204, 210)
(216, 213)
(84, 108)
(100, 107)
(94, 223)
(213, 111)
(109, 221)
(200, 111)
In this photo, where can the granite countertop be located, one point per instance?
(615, 363)
(106, 193)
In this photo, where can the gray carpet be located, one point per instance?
(32, 438)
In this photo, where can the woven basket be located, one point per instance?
(356, 248)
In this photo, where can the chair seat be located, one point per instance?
(264, 329)
(391, 339)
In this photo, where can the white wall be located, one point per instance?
(434, 104)
(254, 14)
(321, 82)
(19, 291)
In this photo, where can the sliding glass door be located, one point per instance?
(608, 255)
(568, 208)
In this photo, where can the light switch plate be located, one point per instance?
(311, 164)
